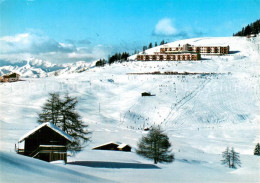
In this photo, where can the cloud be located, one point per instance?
(79, 42)
(84, 42)
(31, 45)
(165, 27)
(88, 53)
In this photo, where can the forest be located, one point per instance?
(253, 28)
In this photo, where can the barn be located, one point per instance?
(114, 146)
(46, 142)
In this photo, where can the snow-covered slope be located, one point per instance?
(34, 68)
(202, 114)
(18, 168)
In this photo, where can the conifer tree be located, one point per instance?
(101, 63)
(72, 124)
(155, 44)
(144, 48)
(63, 114)
(162, 42)
(257, 149)
(150, 45)
(50, 109)
(247, 30)
(231, 158)
(235, 159)
(155, 146)
(226, 157)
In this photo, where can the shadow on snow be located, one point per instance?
(103, 164)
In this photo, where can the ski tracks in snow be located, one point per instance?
(177, 106)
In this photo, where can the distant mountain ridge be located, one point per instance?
(36, 68)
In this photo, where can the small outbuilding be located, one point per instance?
(124, 147)
(147, 94)
(47, 142)
(114, 146)
(146, 129)
(108, 146)
(10, 77)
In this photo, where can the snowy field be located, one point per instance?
(201, 114)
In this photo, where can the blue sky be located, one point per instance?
(88, 29)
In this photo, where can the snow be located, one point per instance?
(51, 126)
(116, 143)
(18, 168)
(202, 115)
(35, 68)
(57, 162)
(122, 145)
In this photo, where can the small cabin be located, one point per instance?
(147, 94)
(47, 142)
(124, 147)
(10, 77)
(112, 146)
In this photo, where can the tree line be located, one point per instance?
(150, 45)
(253, 28)
(117, 57)
(122, 57)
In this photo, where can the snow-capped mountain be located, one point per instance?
(35, 68)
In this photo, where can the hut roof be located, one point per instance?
(51, 126)
(13, 75)
(123, 145)
(116, 143)
(119, 145)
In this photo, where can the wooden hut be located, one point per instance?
(10, 77)
(112, 146)
(146, 94)
(107, 146)
(124, 147)
(46, 142)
